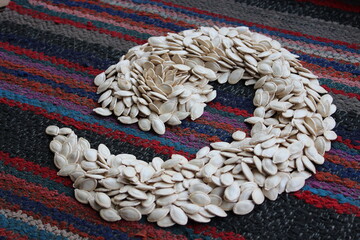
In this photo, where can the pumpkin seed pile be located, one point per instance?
(165, 81)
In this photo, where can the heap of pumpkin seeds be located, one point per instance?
(165, 81)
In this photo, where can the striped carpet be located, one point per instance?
(51, 50)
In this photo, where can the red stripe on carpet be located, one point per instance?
(341, 92)
(203, 12)
(342, 161)
(24, 165)
(327, 202)
(55, 60)
(36, 169)
(52, 199)
(88, 26)
(205, 230)
(48, 220)
(329, 177)
(48, 90)
(334, 4)
(106, 15)
(136, 141)
(11, 235)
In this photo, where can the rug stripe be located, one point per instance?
(69, 83)
(320, 71)
(83, 3)
(326, 202)
(308, 9)
(31, 231)
(40, 56)
(334, 188)
(294, 45)
(129, 129)
(39, 224)
(346, 141)
(73, 211)
(327, 166)
(61, 226)
(325, 193)
(16, 62)
(52, 198)
(5, 233)
(83, 225)
(329, 177)
(43, 16)
(257, 27)
(320, 62)
(312, 185)
(66, 85)
(334, 4)
(106, 123)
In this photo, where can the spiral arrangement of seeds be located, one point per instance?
(167, 80)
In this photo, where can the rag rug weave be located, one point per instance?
(50, 51)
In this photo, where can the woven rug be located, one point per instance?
(50, 52)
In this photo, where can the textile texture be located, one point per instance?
(50, 52)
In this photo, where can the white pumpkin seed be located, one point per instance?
(258, 196)
(238, 135)
(232, 192)
(146, 173)
(158, 126)
(178, 215)
(103, 111)
(158, 214)
(103, 200)
(281, 155)
(91, 154)
(110, 215)
(52, 130)
(216, 210)
(82, 196)
(137, 194)
(199, 198)
(295, 184)
(165, 222)
(243, 207)
(130, 214)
